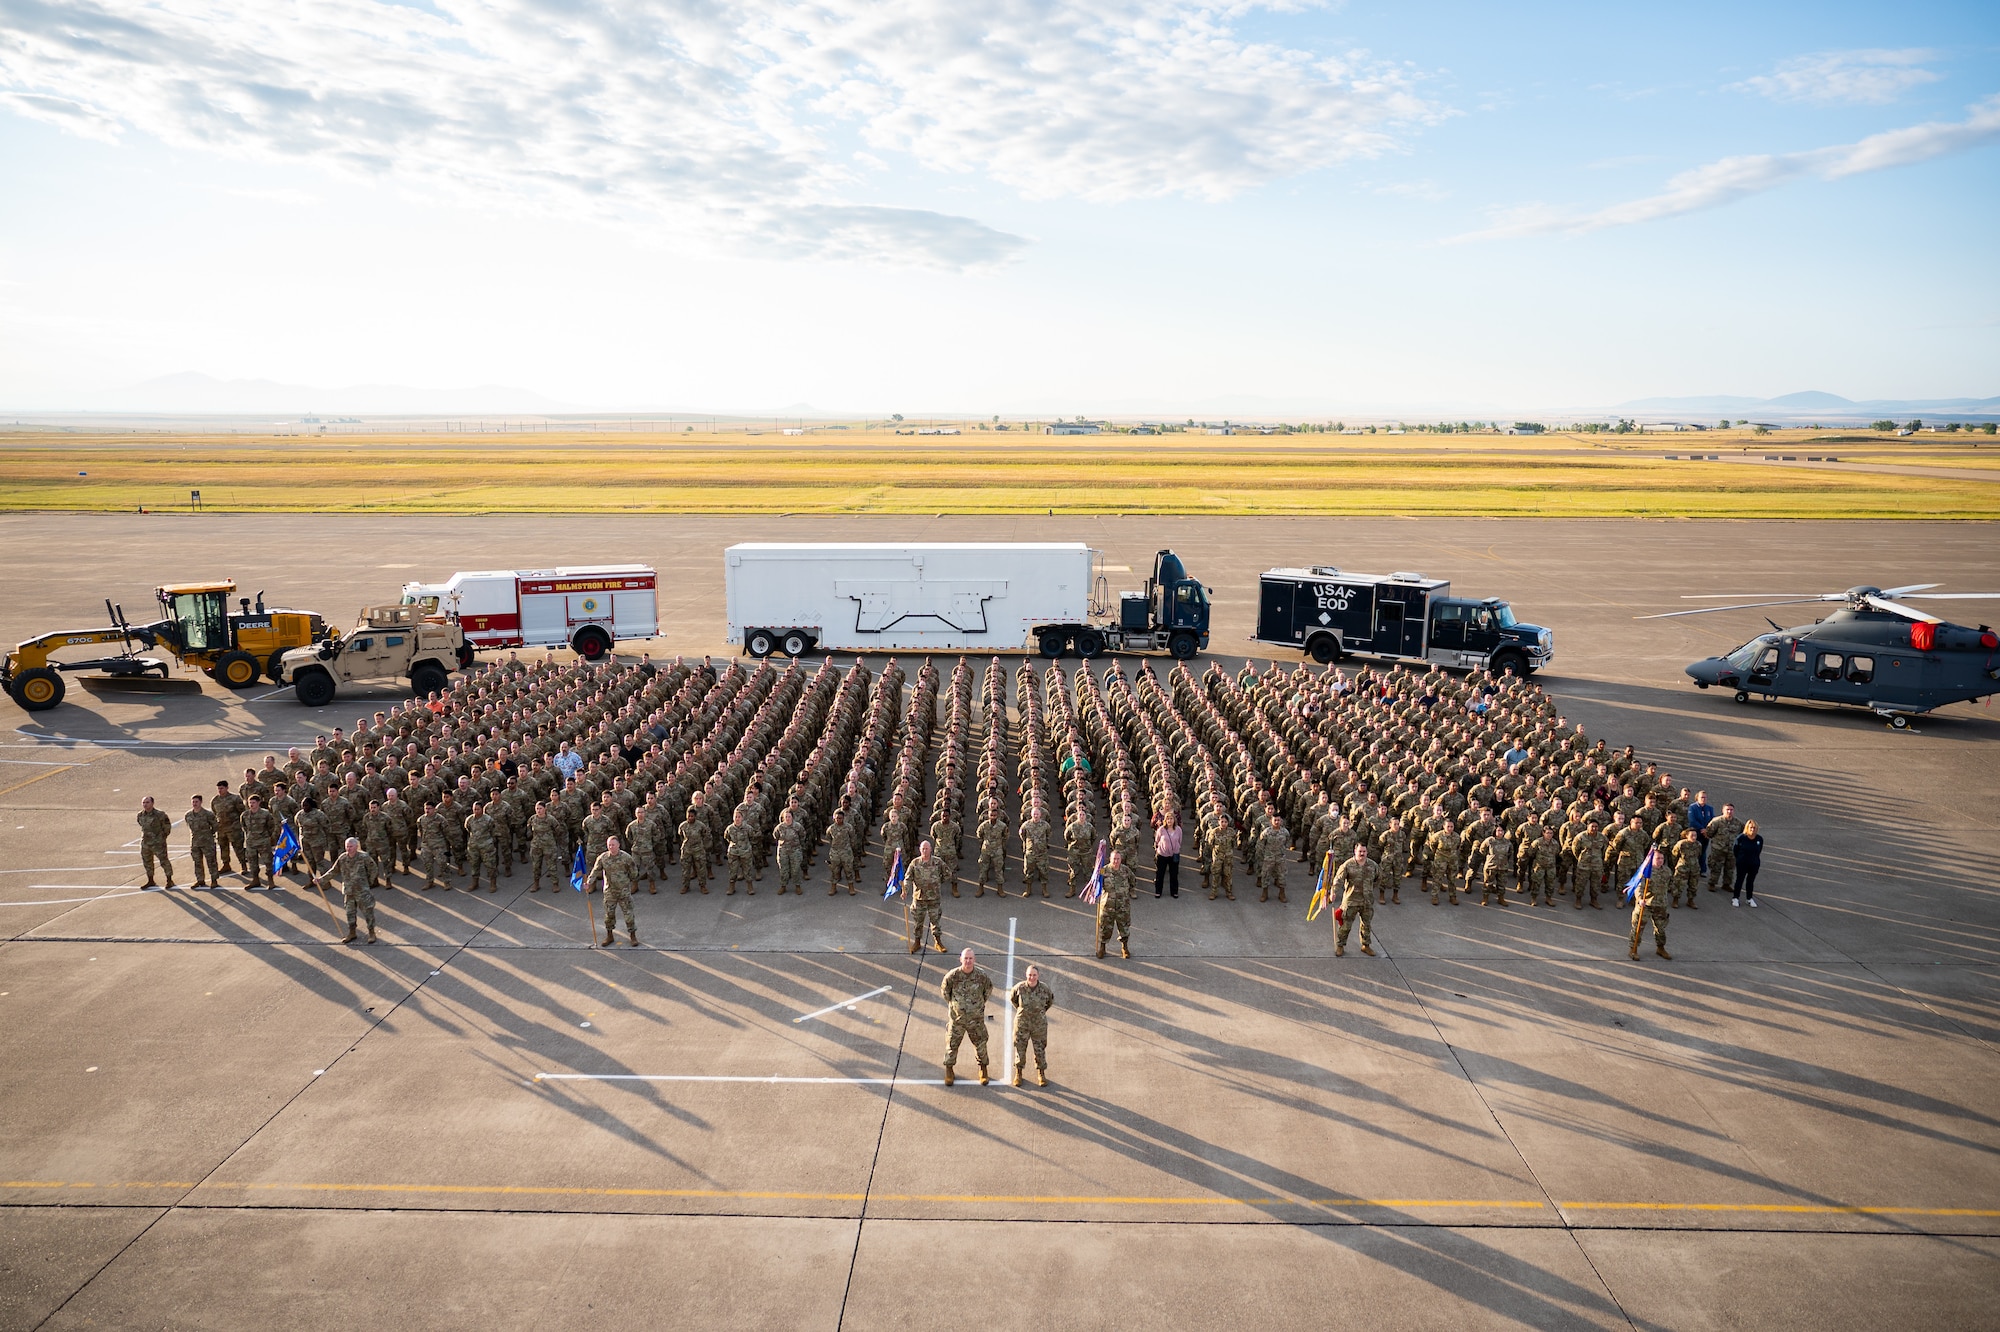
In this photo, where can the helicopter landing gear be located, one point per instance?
(1899, 723)
(1742, 696)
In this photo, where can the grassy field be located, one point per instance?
(856, 472)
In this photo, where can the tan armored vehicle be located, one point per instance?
(389, 643)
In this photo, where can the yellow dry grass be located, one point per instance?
(988, 473)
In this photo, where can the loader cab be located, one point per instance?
(198, 616)
(1178, 601)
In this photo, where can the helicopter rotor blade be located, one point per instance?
(1789, 596)
(1893, 592)
(1747, 605)
(1954, 596)
(1897, 608)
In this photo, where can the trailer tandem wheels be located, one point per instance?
(1047, 597)
(1330, 613)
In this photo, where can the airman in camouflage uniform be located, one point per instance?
(992, 832)
(619, 873)
(1355, 885)
(1035, 852)
(1685, 858)
(1114, 906)
(1077, 839)
(694, 847)
(482, 849)
(354, 870)
(1274, 843)
(544, 848)
(1489, 856)
(154, 825)
(200, 825)
(1031, 1001)
(841, 854)
(742, 856)
(1221, 860)
(433, 852)
(1590, 848)
(260, 840)
(1649, 902)
(965, 990)
(789, 839)
(228, 810)
(1538, 868)
(1722, 835)
(922, 882)
(1395, 861)
(1444, 866)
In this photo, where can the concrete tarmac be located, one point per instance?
(212, 1115)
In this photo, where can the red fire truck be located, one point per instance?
(583, 607)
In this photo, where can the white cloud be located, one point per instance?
(721, 119)
(1875, 77)
(1733, 178)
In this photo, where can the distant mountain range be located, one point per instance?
(190, 392)
(1813, 404)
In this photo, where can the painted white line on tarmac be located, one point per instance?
(698, 1077)
(63, 869)
(283, 689)
(43, 741)
(1007, 1051)
(112, 891)
(845, 1003)
(39, 763)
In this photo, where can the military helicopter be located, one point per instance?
(1874, 652)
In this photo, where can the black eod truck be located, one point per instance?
(1330, 613)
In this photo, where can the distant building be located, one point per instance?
(793, 430)
(937, 430)
(1071, 428)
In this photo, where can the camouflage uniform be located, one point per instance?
(841, 866)
(694, 850)
(966, 993)
(1222, 861)
(922, 882)
(260, 838)
(1114, 909)
(200, 825)
(1355, 883)
(1538, 870)
(1649, 902)
(1031, 1005)
(619, 873)
(482, 849)
(1488, 859)
(992, 832)
(1082, 853)
(1444, 867)
(1590, 847)
(228, 810)
(742, 858)
(1722, 835)
(355, 871)
(790, 841)
(315, 839)
(1034, 855)
(544, 850)
(433, 852)
(1273, 844)
(154, 825)
(1685, 858)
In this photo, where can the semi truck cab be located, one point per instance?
(1172, 601)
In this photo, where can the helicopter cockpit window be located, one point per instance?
(1745, 657)
(1829, 666)
(1860, 670)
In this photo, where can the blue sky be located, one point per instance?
(1001, 205)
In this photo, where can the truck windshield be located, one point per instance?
(1504, 614)
(428, 605)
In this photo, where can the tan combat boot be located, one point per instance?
(1635, 952)
(1368, 950)
(1017, 1075)
(608, 940)
(633, 935)
(1661, 949)
(1041, 1077)
(1100, 948)
(350, 936)
(982, 1075)
(1124, 949)
(949, 1076)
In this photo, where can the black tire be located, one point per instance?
(1900, 722)
(1089, 643)
(1049, 643)
(465, 657)
(39, 688)
(274, 665)
(796, 643)
(1184, 645)
(1508, 662)
(760, 643)
(591, 643)
(236, 670)
(314, 687)
(428, 678)
(1324, 649)
(1742, 696)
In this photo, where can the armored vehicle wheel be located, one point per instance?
(796, 644)
(236, 670)
(591, 643)
(1184, 645)
(314, 687)
(39, 689)
(464, 657)
(428, 678)
(760, 643)
(1325, 649)
(1089, 643)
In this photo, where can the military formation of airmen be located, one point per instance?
(622, 770)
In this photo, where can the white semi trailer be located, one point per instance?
(1048, 597)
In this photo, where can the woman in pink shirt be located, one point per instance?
(1167, 854)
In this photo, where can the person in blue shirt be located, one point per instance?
(1515, 754)
(1700, 815)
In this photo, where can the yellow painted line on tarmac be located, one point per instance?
(44, 776)
(1033, 1199)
